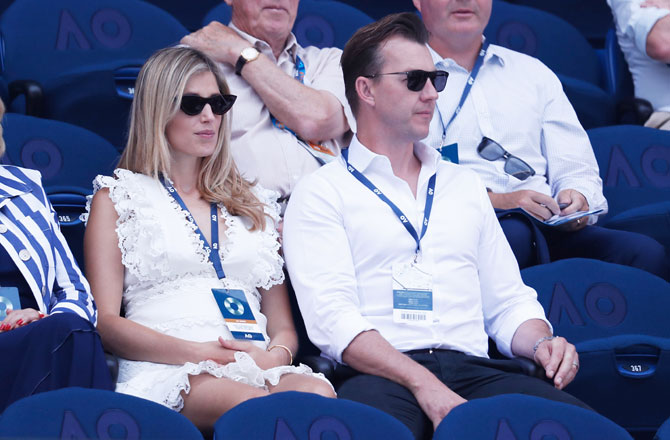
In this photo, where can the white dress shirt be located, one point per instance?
(341, 240)
(263, 151)
(651, 77)
(519, 103)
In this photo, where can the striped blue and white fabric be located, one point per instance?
(30, 233)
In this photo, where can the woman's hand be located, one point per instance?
(19, 318)
(264, 359)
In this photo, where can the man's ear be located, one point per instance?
(364, 90)
(417, 4)
(229, 2)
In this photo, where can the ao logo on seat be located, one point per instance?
(654, 164)
(113, 423)
(313, 30)
(110, 28)
(517, 36)
(604, 304)
(39, 154)
(544, 429)
(319, 427)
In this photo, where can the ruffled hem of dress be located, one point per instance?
(243, 370)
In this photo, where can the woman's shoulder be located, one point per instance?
(268, 198)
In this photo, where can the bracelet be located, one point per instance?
(288, 350)
(541, 340)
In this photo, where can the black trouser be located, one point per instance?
(471, 377)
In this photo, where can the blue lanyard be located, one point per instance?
(430, 194)
(212, 251)
(300, 76)
(466, 90)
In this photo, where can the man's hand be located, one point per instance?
(218, 41)
(534, 203)
(436, 400)
(572, 201)
(661, 4)
(560, 360)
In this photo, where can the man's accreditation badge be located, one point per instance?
(238, 315)
(412, 293)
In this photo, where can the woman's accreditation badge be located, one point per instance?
(412, 293)
(239, 317)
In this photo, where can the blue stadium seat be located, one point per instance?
(83, 56)
(663, 432)
(69, 158)
(591, 17)
(318, 23)
(563, 49)
(619, 84)
(634, 164)
(190, 14)
(516, 416)
(303, 416)
(617, 318)
(80, 413)
(379, 8)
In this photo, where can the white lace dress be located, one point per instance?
(168, 282)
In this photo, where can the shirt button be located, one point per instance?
(24, 255)
(3, 229)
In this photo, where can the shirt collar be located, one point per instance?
(494, 54)
(10, 185)
(361, 157)
(290, 49)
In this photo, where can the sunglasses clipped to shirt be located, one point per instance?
(416, 79)
(517, 167)
(192, 105)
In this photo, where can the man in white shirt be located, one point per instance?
(505, 115)
(397, 259)
(643, 31)
(278, 84)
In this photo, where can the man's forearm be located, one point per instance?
(527, 335)
(370, 353)
(314, 114)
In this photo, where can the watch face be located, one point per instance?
(250, 53)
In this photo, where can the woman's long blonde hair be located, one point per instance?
(158, 91)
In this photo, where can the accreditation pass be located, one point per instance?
(239, 317)
(412, 293)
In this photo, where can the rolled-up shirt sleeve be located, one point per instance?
(321, 268)
(571, 162)
(506, 301)
(636, 22)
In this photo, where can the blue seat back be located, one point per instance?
(68, 35)
(634, 164)
(591, 17)
(663, 432)
(68, 157)
(617, 318)
(303, 416)
(378, 9)
(87, 413)
(618, 80)
(190, 14)
(318, 23)
(516, 416)
(590, 299)
(89, 55)
(542, 35)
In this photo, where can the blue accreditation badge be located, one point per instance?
(239, 317)
(9, 299)
(412, 294)
(450, 153)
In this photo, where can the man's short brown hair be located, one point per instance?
(361, 54)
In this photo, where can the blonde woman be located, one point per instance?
(151, 246)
